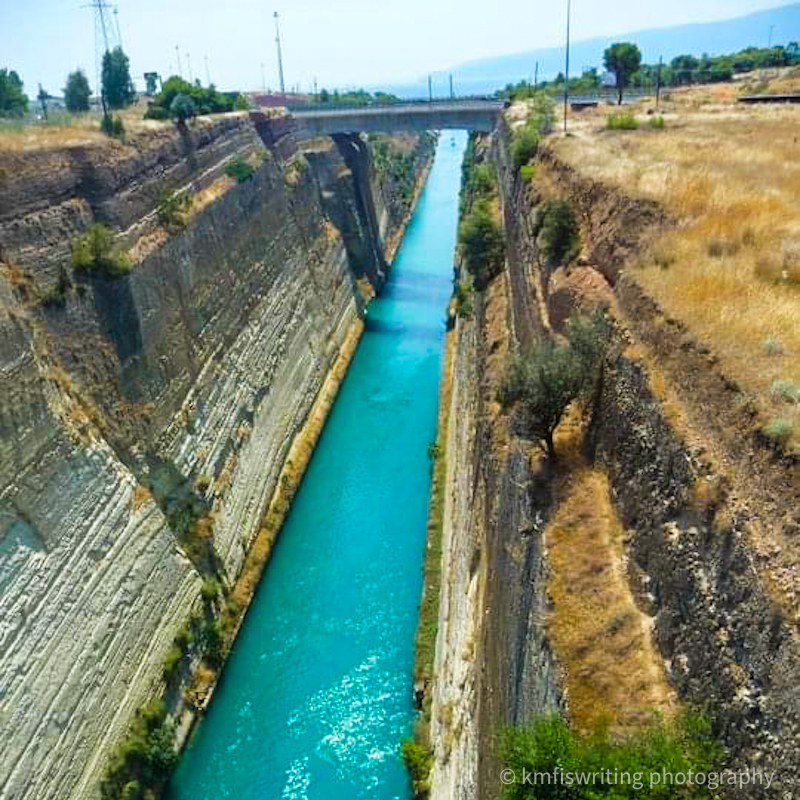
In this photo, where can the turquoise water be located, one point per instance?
(316, 696)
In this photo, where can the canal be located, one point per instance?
(316, 696)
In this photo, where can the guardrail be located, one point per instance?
(416, 101)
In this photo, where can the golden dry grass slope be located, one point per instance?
(612, 671)
(730, 177)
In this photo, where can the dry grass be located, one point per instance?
(65, 130)
(731, 270)
(601, 638)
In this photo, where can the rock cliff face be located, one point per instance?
(130, 403)
(724, 618)
(494, 665)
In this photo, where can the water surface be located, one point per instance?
(316, 696)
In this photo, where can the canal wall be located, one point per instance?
(147, 420)
(493, 664)
(690, 490)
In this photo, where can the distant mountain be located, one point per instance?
(714, 38)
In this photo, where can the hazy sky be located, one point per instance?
(340, 42)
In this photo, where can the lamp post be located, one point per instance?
(566, 71)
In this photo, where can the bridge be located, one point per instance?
(327, 119)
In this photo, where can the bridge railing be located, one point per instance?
(357, 105)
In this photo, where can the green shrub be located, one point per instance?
(557, 232)
(418, 761)
(172, 662)
(182, 108)
(144, 760)
(624, 121)
(210, 590)
(206, 99)
(463, 295)
(528, 172)
(547, 378)
(112, 126)
(772, 346)
(95, 252)
(623, 768)
(56, 297)
(240, 170)
(173, 208)
(156, 112)
(212, 641)
(483, 244)
(183, 638)
(779, 430)
(656, 123)
(787, 390)
(484, 180)
(524, 146)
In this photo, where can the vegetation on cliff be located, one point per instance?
(97, 253)
(550, 375)
(480, 235)
(555, 758)
(204, 99)
(526, 138)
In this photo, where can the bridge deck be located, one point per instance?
(479, 115)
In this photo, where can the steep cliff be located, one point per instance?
(706, 507)
(146, 418)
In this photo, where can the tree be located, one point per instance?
(13, 101)
(623, 59)
(683, 68)
(77, 92)
(182, 108)
(118, 88)
(547, 378)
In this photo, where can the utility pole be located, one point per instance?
(771, 28)
(566, 76)
(451, 87)
(178, 54)
(208, 74)
(536, 76)
(189, 67)
(263, 79)
(430, 89)
(280, 57)
(658, 79)
(104, 37)
(116, 24)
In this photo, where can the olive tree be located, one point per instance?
(623, 59)
(551, 374)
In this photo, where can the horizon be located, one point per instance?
(314, 36)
